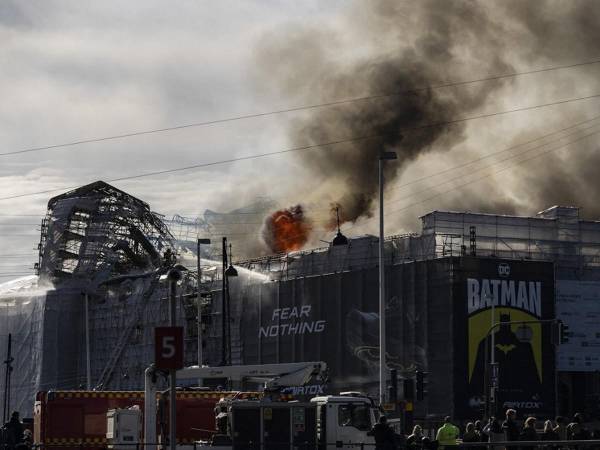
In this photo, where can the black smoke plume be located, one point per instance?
(411, 48)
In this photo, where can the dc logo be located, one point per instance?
(503, 270)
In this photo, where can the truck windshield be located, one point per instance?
(354, 415)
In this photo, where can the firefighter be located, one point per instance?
(447, 434)
(221, 419)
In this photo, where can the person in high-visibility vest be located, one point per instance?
(447, 434)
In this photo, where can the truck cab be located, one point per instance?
(345, 419)
(326, 421)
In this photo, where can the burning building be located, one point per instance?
(103, 254)
(441, 284)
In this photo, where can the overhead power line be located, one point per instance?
(313, 146)
(491, 155)
(487, 175)
(483, 177)
(508, 158)
(295, 109)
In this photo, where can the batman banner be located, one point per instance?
(521, 367)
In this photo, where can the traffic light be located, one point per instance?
(563, 332)
(421, 385)
(409, 389)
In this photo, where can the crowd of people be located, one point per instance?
(495, 430)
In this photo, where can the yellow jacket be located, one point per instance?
(447, 435)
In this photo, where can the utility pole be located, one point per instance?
(8, 362)
(384, 156)
(199, 301)
(493, 371)
(174, 276)
(88, 363)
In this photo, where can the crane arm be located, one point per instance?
(275, 376)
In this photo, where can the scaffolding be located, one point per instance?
(556, 234)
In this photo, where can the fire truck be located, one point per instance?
(79, 417)
(340, 421)
(65, 418)
(273, 378)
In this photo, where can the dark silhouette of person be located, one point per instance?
(14, 431)
(517, 371)
(528, 433)
(383, 434)
(509, 426)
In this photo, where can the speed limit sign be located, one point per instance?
(168, 347)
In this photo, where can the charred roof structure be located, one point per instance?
(97, 232)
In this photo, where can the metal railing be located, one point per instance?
(249, 445)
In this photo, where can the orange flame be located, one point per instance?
(287, 230)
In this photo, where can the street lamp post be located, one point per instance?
(199, 302)
(173, 276)
(224, 317)
(229, 272)
(384, 156)
(88, 363)
(493, 372)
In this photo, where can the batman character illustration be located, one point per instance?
(519, 377)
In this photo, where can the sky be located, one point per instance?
(75, 71)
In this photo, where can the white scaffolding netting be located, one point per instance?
(22, 306)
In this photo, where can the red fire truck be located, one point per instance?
(79, 417)
(65, 418)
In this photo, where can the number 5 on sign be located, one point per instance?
(168, 347)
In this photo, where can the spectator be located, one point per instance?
(528, 433)
(494, 432)
(479, 426)
(447, 434)
(13, 431)
(579, 433)
(509, 426)
(383, 434)
(576, 427)
(428, 444)
(560, 428)
(550, 435)
(27, 441)
(472, 435)
(415, 440)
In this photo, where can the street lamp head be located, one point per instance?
(175, 274)
(386, 156)
(231, 271)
